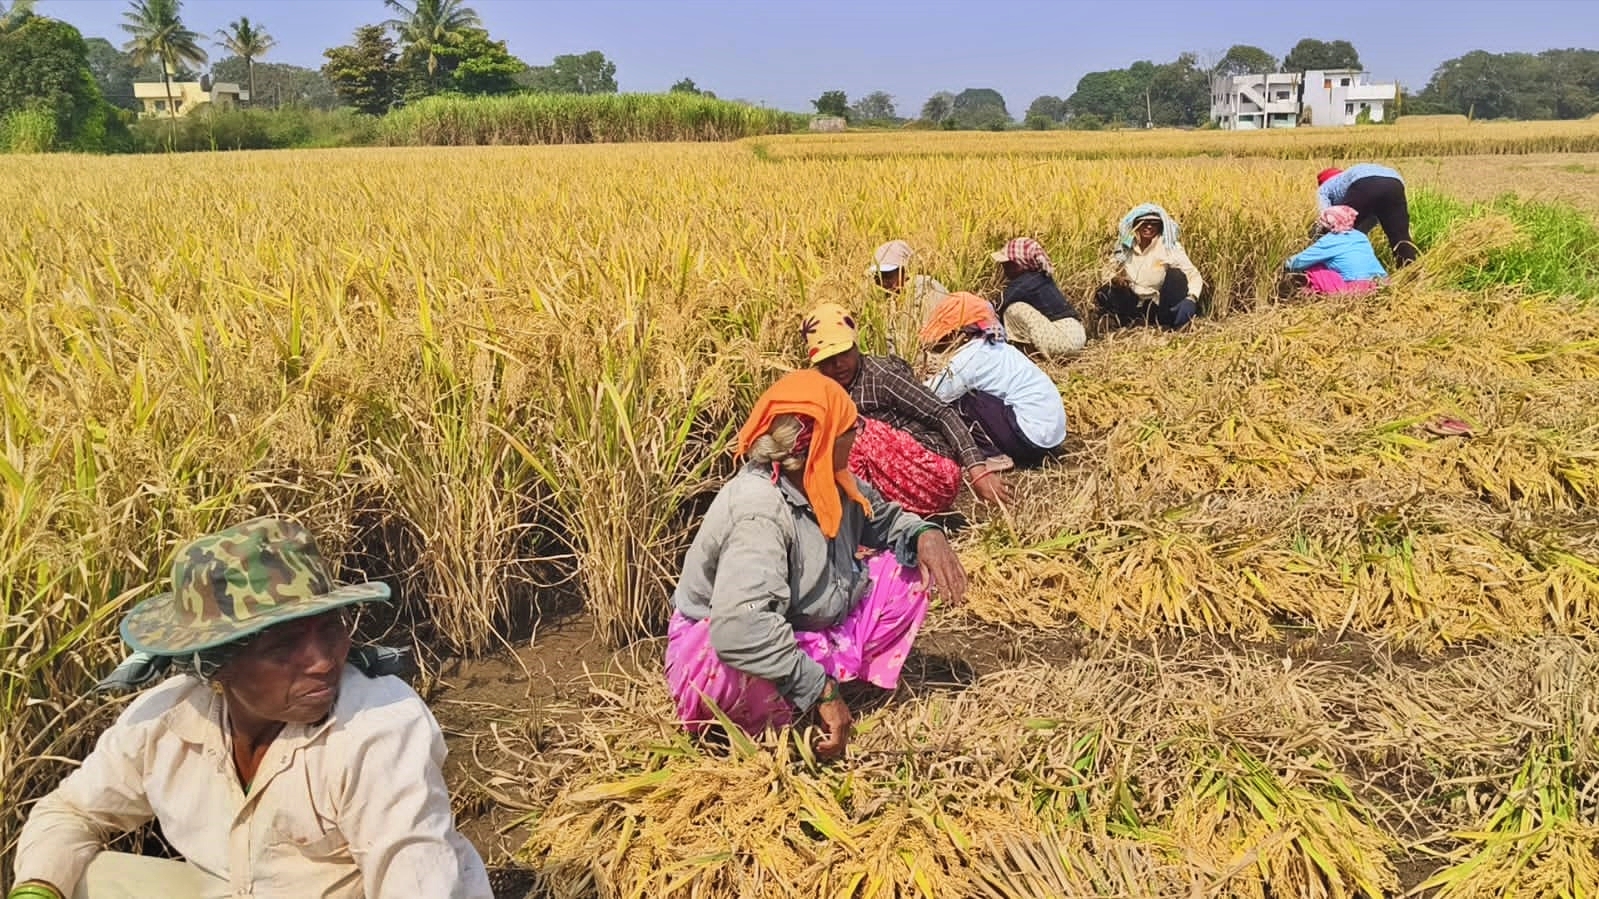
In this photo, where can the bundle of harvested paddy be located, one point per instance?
(1125, 772)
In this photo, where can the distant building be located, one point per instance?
(1249, 102)
(1288, 99)
(1340, 96)
(187, 96)
(827, 123)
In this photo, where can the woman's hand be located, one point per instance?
(836, 723)
(942, 574)
(987, 485)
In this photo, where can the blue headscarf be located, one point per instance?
(1168, 229)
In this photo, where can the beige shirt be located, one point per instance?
(352, 808)
(1146, 269)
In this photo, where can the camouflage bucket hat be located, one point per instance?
(238, 582)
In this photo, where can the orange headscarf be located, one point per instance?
(957, 311)
(810, 394)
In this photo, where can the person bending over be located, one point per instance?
(1341, 261)
(1377, 194)
(911, 447)
(1013, 407)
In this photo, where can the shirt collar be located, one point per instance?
(794, 495)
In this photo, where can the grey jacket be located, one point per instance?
(760, 569)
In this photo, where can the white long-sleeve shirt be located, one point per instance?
(999, 369)
(352, 808)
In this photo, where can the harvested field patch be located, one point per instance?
(1140, 771)
(1276, 469)
(1426, 138)
(1571, 178)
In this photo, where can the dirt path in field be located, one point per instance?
(494, 711)
(498, 712)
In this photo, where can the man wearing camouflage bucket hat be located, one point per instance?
(278, 764)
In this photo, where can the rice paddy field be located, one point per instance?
(1261, 633)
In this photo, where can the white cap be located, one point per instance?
(890, 257)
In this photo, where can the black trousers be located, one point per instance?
(995, 431)
(1172, 310)
(1381, 200)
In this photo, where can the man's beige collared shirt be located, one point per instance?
(352, 808)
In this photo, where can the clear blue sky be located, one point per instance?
(785, 52)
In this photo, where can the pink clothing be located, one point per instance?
(1323, 280)
(1338, 219)
(903, 470)
(870, 644)
(1027, 253)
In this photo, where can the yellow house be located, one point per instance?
(187, 96)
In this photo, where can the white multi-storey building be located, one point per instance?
(1340, 96)
(1288, 99)
(1247, 102)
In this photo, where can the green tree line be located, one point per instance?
(1554, 84)
(60, 91)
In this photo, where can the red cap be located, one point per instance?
(1326, 174)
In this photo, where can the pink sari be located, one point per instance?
(1323, 280)
(870, 644)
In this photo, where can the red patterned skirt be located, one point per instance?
(903, 470)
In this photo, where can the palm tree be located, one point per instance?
(430, 24)
(158, 34)
(246, 41)
(12, 18)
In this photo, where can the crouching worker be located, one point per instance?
(1032, 308)
(1149, 276)
(774, 609)
(1377, 194)
(1341, 261)
(278, 764)
(1014, 408)
(890, 265)
(911, 447)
